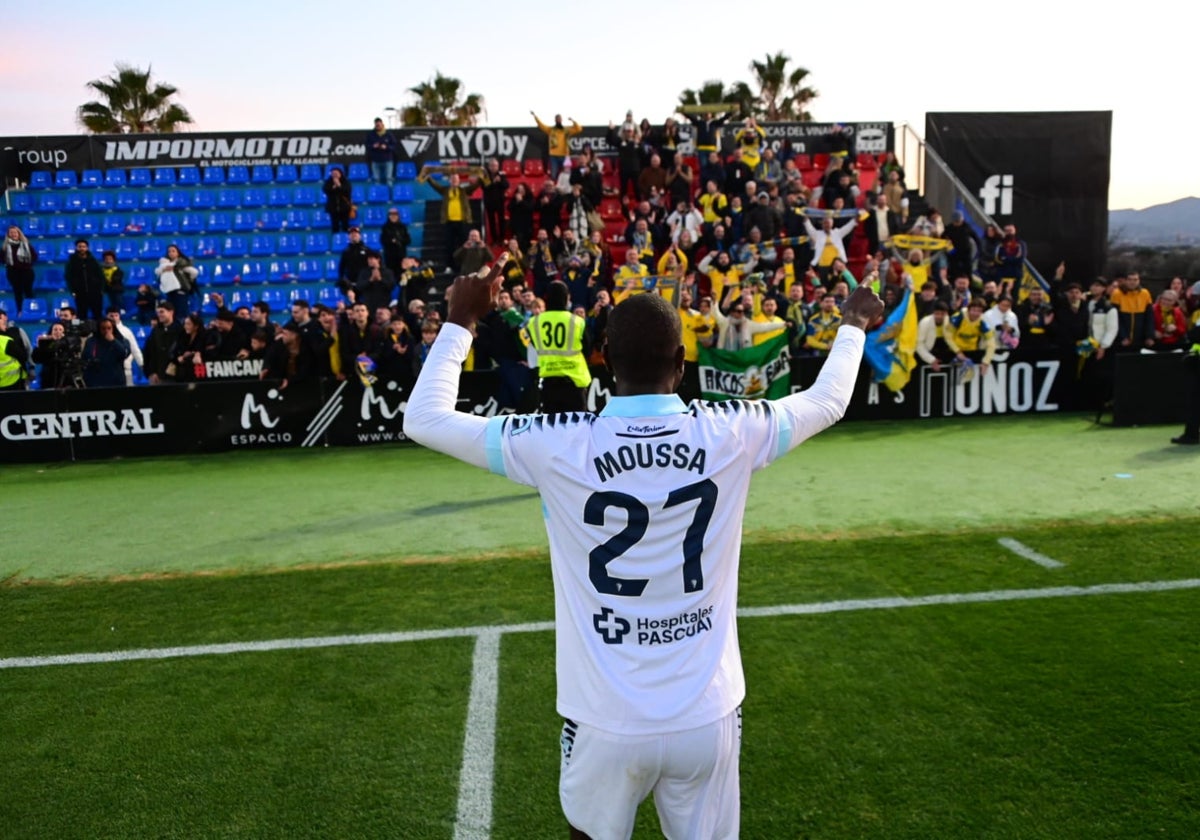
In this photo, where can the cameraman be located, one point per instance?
(49, 353)
(104, 357)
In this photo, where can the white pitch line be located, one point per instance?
(1022, 550)
(474, 819)
(817, 608)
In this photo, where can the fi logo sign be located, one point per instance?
(997, 189)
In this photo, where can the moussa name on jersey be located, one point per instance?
(632, 456)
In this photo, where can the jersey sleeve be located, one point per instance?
(800, 416)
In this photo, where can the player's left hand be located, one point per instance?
(472, 297)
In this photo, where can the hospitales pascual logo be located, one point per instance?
(414, 144)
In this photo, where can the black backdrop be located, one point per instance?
(1059, 163)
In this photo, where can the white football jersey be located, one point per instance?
(643, 506)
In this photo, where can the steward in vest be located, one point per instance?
(12, 363)
(560, 340)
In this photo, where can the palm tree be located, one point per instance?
(782, 94)
(132, 104)
(438, 103)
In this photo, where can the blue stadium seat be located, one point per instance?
(237, 176)
(330, 296)
(115, 178)
(404, 193)
(287, 244)
(91, 178)
(125, 200)
(138, 223)
(64, 179)
(208, 306)
(100, 201)
(292, 219)
(307, 195)
(179, 200)
(270, 221)
(262, 246)
(229, 198)
(125, 249)
(358, 193)
(285, 173)
(99, 246)
(331, 268)
(310, 173)
(234, 246)
(61, 302)
(206, 246)
(19, 202)
(254, 197)
(58, 226)
(49, 280)
(191, 223)
(33, 226)
(254, 271)
(308, 293)
(164, 176)
(279, 197)
(112, 225)
(262, 175)
(48, 202)
(358, 172)
(372, 239)
(406, 171)
(166, 224)
(373, 216)
(40, 180)
(316, 243)
(224, 274)
(244, 222)
(140, 178)
(189, 176)
(213, 176)
(277, 299)
(151, 200)
(378, 194)
(329, 167)
(35, 310)
(281, 271)
(308, 269)
(218, 222)
(203, 200)
(152, 248)
(405, 215)
(338, 242)
(74, 201)
(137, 274)
(86, 226)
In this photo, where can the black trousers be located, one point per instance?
(561, 394)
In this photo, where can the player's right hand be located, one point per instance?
(863, 309)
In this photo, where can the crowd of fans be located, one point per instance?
(740, 242)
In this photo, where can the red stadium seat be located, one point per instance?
(867, 178)
(812, 178)
(534, 168)
(821, 160)
(803, 161)
(511, 168)
(866, 161)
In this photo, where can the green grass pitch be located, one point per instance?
(1031, 717)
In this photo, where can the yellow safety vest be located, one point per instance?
(10, 368)
(558, 339)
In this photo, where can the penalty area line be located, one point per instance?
(1021, 550)
(817, 608)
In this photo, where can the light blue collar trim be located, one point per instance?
(644, 405)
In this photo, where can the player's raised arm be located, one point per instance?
(804, 414)
(430, 418)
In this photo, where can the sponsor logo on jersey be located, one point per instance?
(652, 631)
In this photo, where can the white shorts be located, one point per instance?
(694, 776)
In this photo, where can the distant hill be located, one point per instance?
(1174, 223)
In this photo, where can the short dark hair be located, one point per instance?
(557, 295)
(166, 304)
(107, 254)
(262, 306)
(941, 306)
(323, 309)
(301, 302)
(78, 241)
(644, 335)
(1074, 285)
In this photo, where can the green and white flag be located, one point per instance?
(755, 373)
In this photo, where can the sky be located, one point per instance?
(269, 65)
